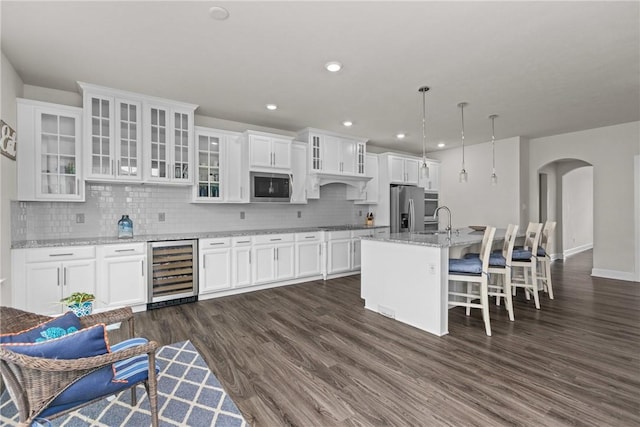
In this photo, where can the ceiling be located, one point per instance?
(545, 68)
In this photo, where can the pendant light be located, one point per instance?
(494, 177)
(463, 171)
(424, 169)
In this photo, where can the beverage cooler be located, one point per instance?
(173, 272)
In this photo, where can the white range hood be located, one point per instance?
(318, 179)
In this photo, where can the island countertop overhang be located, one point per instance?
(440, 239)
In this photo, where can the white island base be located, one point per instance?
(406, 282)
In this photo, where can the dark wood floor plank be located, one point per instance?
(311, 355)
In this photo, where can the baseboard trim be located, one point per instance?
(614, 274)
(577, 250)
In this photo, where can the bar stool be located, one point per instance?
(473, 271)
(525, 258)
(500, 265)
(544, 257)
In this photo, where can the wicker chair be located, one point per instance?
(34, 382)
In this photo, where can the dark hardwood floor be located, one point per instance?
(311, 355)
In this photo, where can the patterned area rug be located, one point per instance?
(188, 395)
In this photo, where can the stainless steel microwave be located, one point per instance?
(270, 187)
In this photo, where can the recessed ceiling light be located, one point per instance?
(333, 66)
(272, 107)
(440, 145)
(400, 136)
(218, 13)
(347, 123)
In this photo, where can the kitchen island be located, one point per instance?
(405, 276)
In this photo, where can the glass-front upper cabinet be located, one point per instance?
(49, 152)
(113, 133)
(209, 146)
(170, 142)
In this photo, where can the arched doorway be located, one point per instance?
(566, 196)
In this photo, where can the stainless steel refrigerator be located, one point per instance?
(407, 208)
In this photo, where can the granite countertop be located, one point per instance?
(89, 241)
(439, 239)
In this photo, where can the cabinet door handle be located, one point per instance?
(125, 250)
(112, 167)
(216, 243)
(244, 241)
(66, 254)
(64, 275)
(118, 168)
(249, 257)
(277, 253)
(77, 187)
(142, 266)
(241, 193)
(310, 237)
(275, 240)
(58, 269)
(204, 263)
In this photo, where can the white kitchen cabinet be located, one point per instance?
(339, 252)
(49, 152)
(236, 171)
(273, 257)
(220, 168)
(308, 254)
(43, 276)
(356, 244)
(431, 182)
(168, 143)
(214, 264)
(113, 135)
(269, 151)
(122, 279)
(403, 170)
(370, 194)
(241, 274)
(331, 153)
(299, 173)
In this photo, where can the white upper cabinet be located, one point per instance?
(220, 176)
(331, 153)
(403, 170)
(369, 196)
(269, 152)
(113, 135)
(49, 153)
(169, 138)
(299, 172)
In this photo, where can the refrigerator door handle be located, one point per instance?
(411, 215)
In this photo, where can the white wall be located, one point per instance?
(577, 210)
(477, 202)
(611, 151)
(10, 88)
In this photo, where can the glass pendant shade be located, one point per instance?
(463, 172)
(424, 168)
(494, 177)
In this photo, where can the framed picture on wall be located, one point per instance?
(7, 140)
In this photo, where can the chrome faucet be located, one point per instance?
(435, 215)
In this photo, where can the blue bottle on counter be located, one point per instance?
(125, 227)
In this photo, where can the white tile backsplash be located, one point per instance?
(106, 203)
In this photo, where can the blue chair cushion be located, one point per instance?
(105, 381)
(541, 252)
(521, 255)
(495, 259)
(86, 342)
(465, 266)
(54, 328)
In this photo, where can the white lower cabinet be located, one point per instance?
(122, 275)
(339, 252)
(241, 261)
(273, 258)
(43, 276)
(214, 264)
(308, 254)
(356, 246)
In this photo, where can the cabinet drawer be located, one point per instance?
(309, 237)
(61, 254)
(220, 242)
(272, 238)
(335, 235)
(241, 241)
(123, 249)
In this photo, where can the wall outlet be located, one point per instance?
(299, 214)
(80, 218)
(241, 215)
(161, 216)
